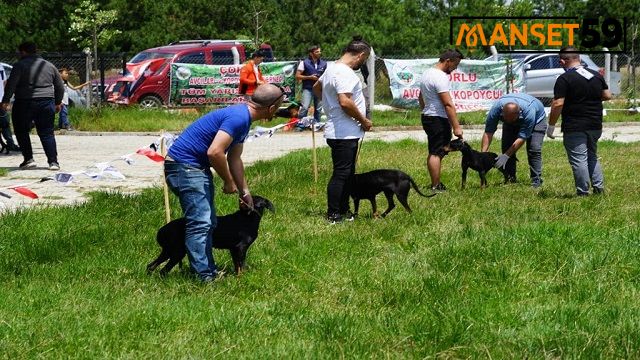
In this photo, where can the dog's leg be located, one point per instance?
(159, 260)
(483, 179)
(374, 207)
(356, 206)
(464, 176)
(403, 196)
(389, 195)
(172, 262)
(238, 255)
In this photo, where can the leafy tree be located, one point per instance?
(91, 26)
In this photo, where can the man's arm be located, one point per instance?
(236, 168)
(450, 109)
(556, 110)
(218, 160)
(606, 95)
(420, 100)
(317, 89)
(486, 141)
(515, 146)
(350, 108)
(301, 77)
(58, 88)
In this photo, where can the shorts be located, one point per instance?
(439, 133)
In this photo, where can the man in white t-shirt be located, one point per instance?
(439, 112)
(5, 127)
(344, 105)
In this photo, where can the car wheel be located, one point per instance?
(150, 102)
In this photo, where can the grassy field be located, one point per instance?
(134, 119)
(505, 272)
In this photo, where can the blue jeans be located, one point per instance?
(63, 117)
(194, 188)
(40, 112)
(582, 152)
(307, 96)
(534, 151)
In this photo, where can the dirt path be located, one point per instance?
(79, 151)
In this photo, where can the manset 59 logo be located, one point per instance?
(588, 35)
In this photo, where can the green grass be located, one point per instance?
(504, 272)
(137, 120)
(3, 172)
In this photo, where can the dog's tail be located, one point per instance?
(415, 187)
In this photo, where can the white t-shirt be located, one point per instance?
(433, 82)
(341, 79)
(3, 77)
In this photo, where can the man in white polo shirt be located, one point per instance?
(439, 112)
(345, 108)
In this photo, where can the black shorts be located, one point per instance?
(439, 133)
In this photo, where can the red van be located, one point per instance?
(147, 80)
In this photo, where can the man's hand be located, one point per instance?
(314, 77)
(229, 188)
(58, 108)
(4, 106)
(501, 161)
(550, 130)
(246, 201)
(457, 131)
(366, 125)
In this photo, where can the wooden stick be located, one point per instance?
(315, 155)
(167, 206)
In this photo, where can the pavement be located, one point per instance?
(81, 151)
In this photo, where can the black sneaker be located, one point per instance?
(28, 164)
(335, 218)
(54, 166)
(598, 191)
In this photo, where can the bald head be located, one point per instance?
(266, 95)
(510, 112)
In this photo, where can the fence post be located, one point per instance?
(102, 87)
(371, 80)
(607, 66)
(87, 52)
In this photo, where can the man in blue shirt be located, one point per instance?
(524, 120)
(309, 71)
(215, 140)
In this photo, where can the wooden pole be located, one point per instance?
(167, 206)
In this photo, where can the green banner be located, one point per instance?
(475, 84)
(197, 85)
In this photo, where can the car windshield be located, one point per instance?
(148, 55)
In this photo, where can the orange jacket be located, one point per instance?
(248, 81)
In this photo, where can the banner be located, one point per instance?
(196, 84)
(475, 84)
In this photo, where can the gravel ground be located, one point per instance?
(79, 151)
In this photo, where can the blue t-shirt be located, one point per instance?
(531, 113)
(192, 145)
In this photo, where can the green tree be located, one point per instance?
(91, 26)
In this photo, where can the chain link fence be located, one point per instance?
(83, 68)
(103, 73)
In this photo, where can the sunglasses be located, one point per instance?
(282, 94)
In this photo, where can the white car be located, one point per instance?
(542, 70)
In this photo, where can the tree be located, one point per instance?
(90, 26)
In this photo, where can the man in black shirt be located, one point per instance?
(578, 96)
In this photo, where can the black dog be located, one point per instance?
(235, 232)
(481, 162)
(370, 184)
